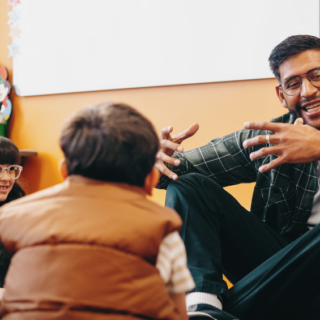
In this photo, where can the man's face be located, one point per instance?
(306, 103)
(3, 92)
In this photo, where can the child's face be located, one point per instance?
(6, 184)
(3, 92)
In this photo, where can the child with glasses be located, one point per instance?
(94, 247)
(10, 171)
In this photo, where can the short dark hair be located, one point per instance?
(110, 142)
(290, 47)
(9, 154)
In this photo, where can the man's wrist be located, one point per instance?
(316, 147)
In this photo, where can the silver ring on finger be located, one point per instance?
(268, 138)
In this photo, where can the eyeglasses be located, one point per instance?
(13, 171)
(292, 85)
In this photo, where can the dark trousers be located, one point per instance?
(274, 277)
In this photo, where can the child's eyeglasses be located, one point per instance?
(13, 171)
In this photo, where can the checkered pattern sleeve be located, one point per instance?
(172, 264)
(223, 160)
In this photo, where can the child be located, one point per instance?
(91, 247)
(9, 157)
(10, 170)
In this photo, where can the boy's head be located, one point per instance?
(110, 142)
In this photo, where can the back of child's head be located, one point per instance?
(110, 142)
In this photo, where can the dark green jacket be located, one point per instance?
(282, 198)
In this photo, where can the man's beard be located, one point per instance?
(295, 112)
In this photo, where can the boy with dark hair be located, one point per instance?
(94, 247)
(113, 143)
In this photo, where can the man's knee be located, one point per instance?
(191, 184)
(194, 193)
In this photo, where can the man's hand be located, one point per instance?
(296, 143)
(169, 145)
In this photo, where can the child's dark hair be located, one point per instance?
(110, 142)
(290, 47)
(9, 154)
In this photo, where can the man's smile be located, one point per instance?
(311, 108)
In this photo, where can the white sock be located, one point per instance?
(194, 298)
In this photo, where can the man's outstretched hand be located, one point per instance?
(170, 144)
(295, 143)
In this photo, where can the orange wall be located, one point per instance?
(219, 108)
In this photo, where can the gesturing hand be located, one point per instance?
(296, 143)
(168, 145)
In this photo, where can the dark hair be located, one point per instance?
(9, 154)
(290, 47)
(110, 142)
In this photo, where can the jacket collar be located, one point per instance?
(92, 187)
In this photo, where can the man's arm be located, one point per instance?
(223, 160)
(292, 143)
(170, 144)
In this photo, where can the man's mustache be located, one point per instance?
(297, 111)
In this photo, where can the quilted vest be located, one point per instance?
(86, 249)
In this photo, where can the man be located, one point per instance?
(272, 254)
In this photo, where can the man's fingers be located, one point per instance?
(273, 138)
(299, 122)
(165, 132)
(271, 126)
(179, 137)
(264, 152)
(164, 170)
(165, 158)
(171, 145)
(271, 165)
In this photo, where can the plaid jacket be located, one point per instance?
(282, 197)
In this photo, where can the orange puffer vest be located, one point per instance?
(86, 250)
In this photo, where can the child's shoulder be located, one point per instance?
(34, 198)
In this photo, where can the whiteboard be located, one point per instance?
(80, 45)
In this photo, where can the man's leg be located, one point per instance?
(283, 285)
(219, 233)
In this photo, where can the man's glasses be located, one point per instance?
(13, 171)
(292, 85)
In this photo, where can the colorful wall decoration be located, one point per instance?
(5, 103)
(14, 27)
